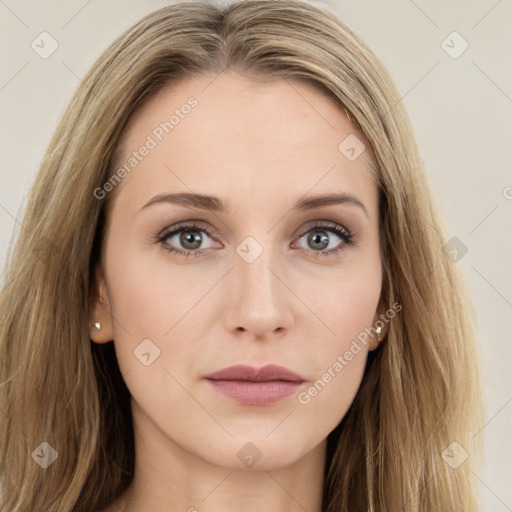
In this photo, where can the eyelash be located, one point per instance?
(344, 234)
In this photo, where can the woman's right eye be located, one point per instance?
(187, 236)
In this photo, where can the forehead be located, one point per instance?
(231, 136)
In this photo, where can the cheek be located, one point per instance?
(150, 299)
(153, 333)
(339, 361)
(343, 303)
(346, 313)
(328, 398)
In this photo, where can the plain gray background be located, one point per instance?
(461, 110)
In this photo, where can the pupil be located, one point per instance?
(319, 238)
(190, 238)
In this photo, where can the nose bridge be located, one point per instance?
(259, 302)
(256, 266)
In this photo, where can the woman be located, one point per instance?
(174, 338)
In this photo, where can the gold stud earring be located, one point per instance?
(97, 325)
(378, 329)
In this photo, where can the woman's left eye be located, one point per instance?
(317, 235)
(190, 238)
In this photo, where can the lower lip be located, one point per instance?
(255, 393)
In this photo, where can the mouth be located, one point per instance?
(253, 386)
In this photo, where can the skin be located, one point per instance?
(260, 147)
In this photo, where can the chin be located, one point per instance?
(255, 453)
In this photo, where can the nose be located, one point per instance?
(260, 303)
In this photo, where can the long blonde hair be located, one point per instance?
(421, 390)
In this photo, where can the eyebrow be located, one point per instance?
(215, 204)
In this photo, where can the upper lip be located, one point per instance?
(270, 372)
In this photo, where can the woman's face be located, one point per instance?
(265, 282)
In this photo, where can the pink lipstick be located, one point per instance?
(256, 386)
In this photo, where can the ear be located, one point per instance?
(380, 320)
(100, 310)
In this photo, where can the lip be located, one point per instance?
(266, 373)
(255, 386)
